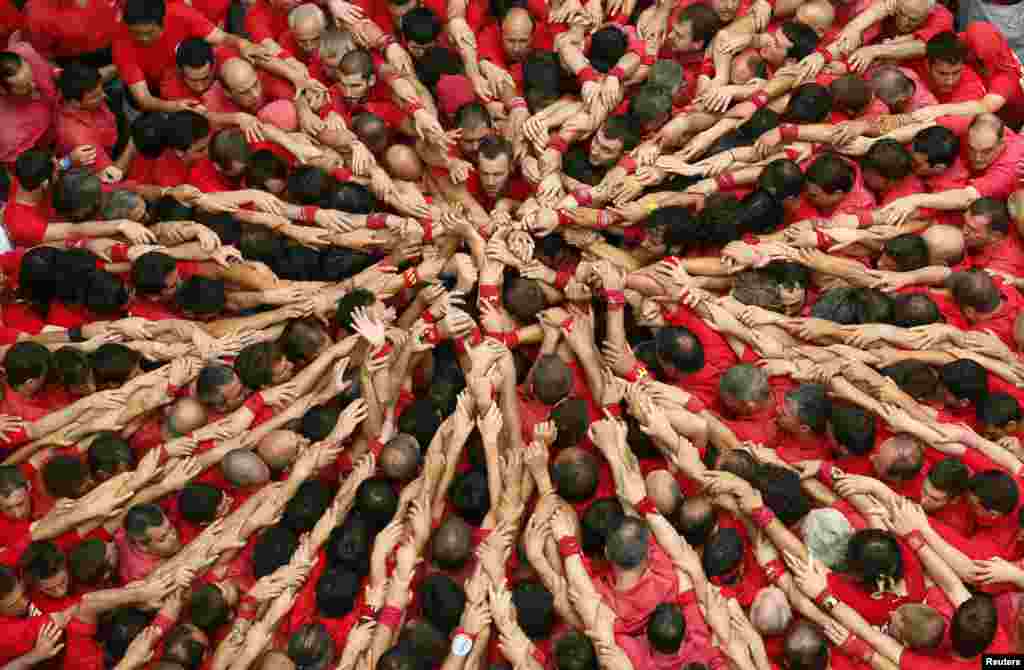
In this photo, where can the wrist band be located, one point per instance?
(687, 597)
(648, 59)
(566, 325)
(718, 662)
(256, 403)
(16, 438)
(389, 39)
(618, 73)
(119, 253)
(645, 506)
(558, 143)
(376, 446)
(584, 196)
(751, 239)
(428, 316)
(826, 54)
(384, 351)
(824, 241)
(539, 656)
(518, 103)
(628, 163)
(865, 219)
(432, 335)
(462, 631)
(759, 100)
(615, 297)
(820, 599)
(774, 570)
(568, 546)
(377, 221)
(854, 647)
(587, 74)
(562, 279)
(411, 277)
(75, 334)
(915, 539)
(636, 373)
(309, 213)
(613, 409)
(789, 132)
(428, 229)
(762, 517)
(725, 181)
(512, 339)
(412, 107)
(488, 293)
(74, 242)
(474, 339)
(164, 623)
(826, 475)
(390, 616)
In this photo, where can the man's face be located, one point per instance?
(977, 231)
(15, 603)
(726, 9)
(793, 297)
(146, 33)
(307, 36)
(945, 76)
(162, 540)
(93, 100)
(233, 394)
(742, 68)
(776, 46)
(889, 452)
(21, 82)
(494, 174)
(247, 91)
(910, 15)
(922, 168)
(56, 586)
(355, 88)
(469, 141)
(198, 79)
(516, 40)
(16, 504)
(983, 148)
(932, 499)
(604, 151)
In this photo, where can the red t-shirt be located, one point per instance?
(718, 356)
(263, 21)
(137, 62)
(998, 65)
(1002, 322)
(968, 87)
(19, 635)
(26, 224)
(82, 652)
(68, 29)
(876, 611)
(204, 175)
(634, 605)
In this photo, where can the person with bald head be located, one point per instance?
(279, 448)
(245, 470)
(400, 457)
(506, 45)
(174, 420)
(901, 89)
(250, 90)
(664, 491)
(819, 15)
(373, 132)
(945, 244)
(403, 163)
(770, 613)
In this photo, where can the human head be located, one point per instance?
(893, 87)
(552, 379)
(805, 647)
(805, 410)
(451, 545)
(818, 15)
(770, 612)
(336, 592)
(77, 194)
(945, 244)
(307, 23)
(494, 164)
(695, 27)
(200, 298)
(80, 85)
(219, 388)
(242, 83)
(196, 64)
(744, 389)
(110, 455)
(26, 365)
(627, 544)
(209, 605)
(974, 626)
(16, 76)
(934, 150)
(94, 562)
(829, 180)
(311, 647)
(149, 529)
(517, 34)
(356, 76)
(899, 458)
(664, 491)
(987, 221)
(400, 457)
(827, 533)
(230, 152)
(45, 568)
(201, 504)
(679, 352)
(244, 469)
(611, 141)
(722, 557)
(885, 165)
(784, 179)
(184, 416)
(975, 293)
(574, 473)
(144, 19)
(984, 141)
(535, 609)
(575, 651)
(945, 56)
(992, 494)
(13, 600)
(15, 502)
(946, 481)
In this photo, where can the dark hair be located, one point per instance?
(939, 144)
(306, 507)
(108, 452)
(442, 601)
(41, 560)
(535, 609)
(575, 651)
(147, 133)
(812, 406)
(194, 52)
(783, 178)
(420, 25)
(201, 295)
(351, 301)
(888, 158)
(950, 476)
(25, 361)
(87, 562)
(552, 379)
(782, 493)
(681, 348)
(996, 210)
(853, 427)
(64, 476)
(974, 626)
(965, 379)
(627, 542)
(808, 103)
(874, 555)
(803, 37)
(311, 647)
(336, 592)
(185, 128)
(140, 518)
(198, 502)
(575, 478)
(996, 491)
(263, 166)
(470, 495)
(975, 288)
(831, 173)
(666, 628)
(33, 168)
(997, 409)
(274, 548)
(349, 545)
(150, 271)
(254, 364)
(207, 608)
(607, 46)
(723, 552)
(704, 21)
(113, 363)
(946, 47)
(602, 515)
(141, 12)
(909, 251)
(376, 501)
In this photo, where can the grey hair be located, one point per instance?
(305, 12)
(119, 205)
(745, 383)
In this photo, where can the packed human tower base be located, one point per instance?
(510, 334)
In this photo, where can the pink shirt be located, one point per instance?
(633, 606)
(133, 563)
(27, 121)
(696, 646)
(1000, 179)
(76, 127)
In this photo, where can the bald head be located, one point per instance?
(819, 15)
(276, 660)
(893, 87)
(402, 162)
(279, 448)
(235, 71)
(307, 17)
(452, 544)
(663, 489)
(400, 457)
(945, 244)
(186, 415)
(517, 33)
(243, 468)
(770, 612)
(372, 131)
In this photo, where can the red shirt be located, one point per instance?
(64, 29)
(1007, 256)
(999, 179)
(968, 87)
(136, 62)
(214, 10)
(1002, 321)
(634, 605)
(263, 21)
(998, 65)
(913, 660)
(82, 652)
(718, 356)
(97, 127)
(696, 646)
(26, 224)
(204, 175)
(19, 635)
(16, 404)
(517, 189)
(876, 610)
(858, 199)
(165, 170)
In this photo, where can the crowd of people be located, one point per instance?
(509, 334)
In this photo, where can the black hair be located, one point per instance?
(939, 144)
(142, 12)
(535, 609)
(602, 515)
(996, 491)
(273, 549)
(997, 409)
(442, 601)
(575, 651)
(150, 271)
(376, 501)
(337, 591)
(207, 608)
(198, 502)
(194, 52)
(723, 552)
(33, 168)
(853, 427)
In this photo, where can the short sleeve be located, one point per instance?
(124, 58)
(25, 226)
(939, 21)
(196, 24)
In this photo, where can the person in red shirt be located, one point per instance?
(306, 25)
(746, 405)
(73, 30)
(20, 620)
(493, 182)
(84, 120)
(987, 303)
(949, 77)
(249, 90)
(507, 46)
(145, 45)
(988, 239)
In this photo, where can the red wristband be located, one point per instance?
(718, 662)
(432, 335)
(247, 607)
(645, 506)
(774, 570)
(725, 181)
(789, 132)
(824, 241)
(854, 647)
(568, 546)
(539, 656)
(759, 99)
(615, 297)
(256, 403)
(613, 410)
(411, 108)
(488, 293)
(826, 475)
(518, 103)
(648, 59)
(567, 325)
(762, 517)
(411, 277)
(820, 599)
(376, 446)
(584, 196)
(826, 54)
(383, 352)
(428, 229)
(687, 597)
(390, 616)
(119, 253)
(628, 164)
(637, 373)
(377, 221)
(428, 317)
(562, 279)
(462, 631)
(751, 239)
(558, 143)
(309, 213)
(164, 623)
(512, 339)
(865, 219)
(587, 74)
(618, 73)
(915, 540)
(16, 438)
(74, 242)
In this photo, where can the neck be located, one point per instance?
(27, 197)
(627, 579)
